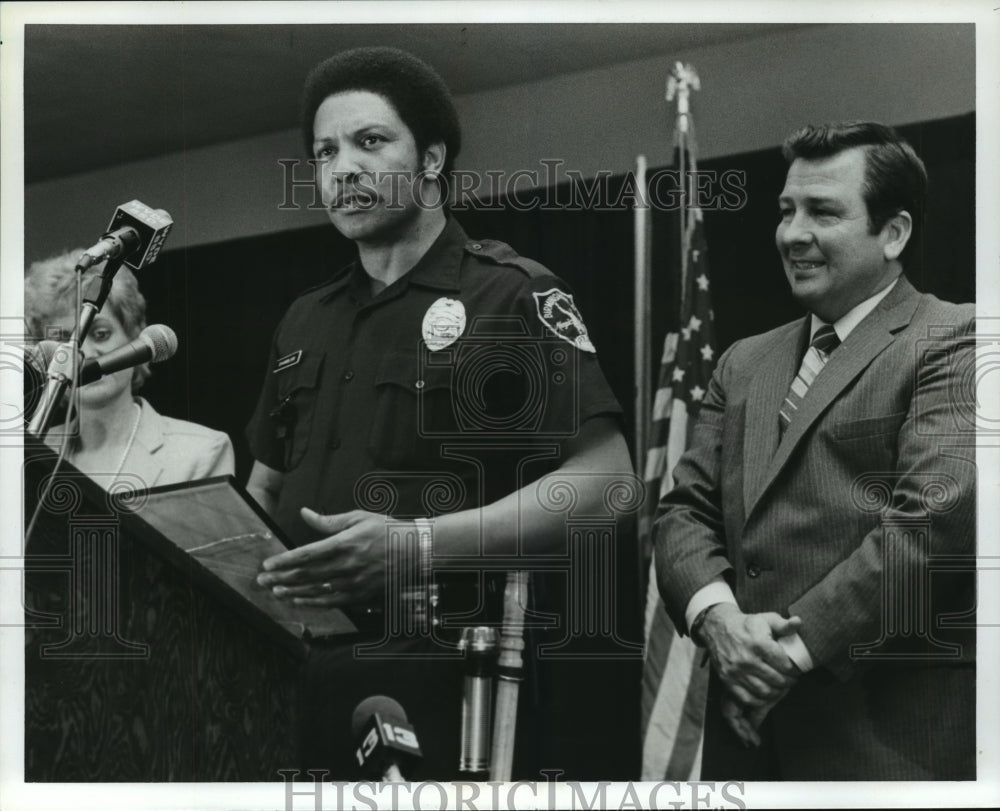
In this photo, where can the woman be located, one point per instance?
(119, 432)
(120, 438)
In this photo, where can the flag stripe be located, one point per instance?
(661, 639)
(655, 460)
(674, 683)
(677, 442)
(662, 404)
(686, 755)
(666, 719)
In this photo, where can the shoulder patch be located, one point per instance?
(500, 253)
(558, 312)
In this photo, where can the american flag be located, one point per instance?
(674, 682)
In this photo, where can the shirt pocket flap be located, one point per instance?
(406, 372)
(303, 375)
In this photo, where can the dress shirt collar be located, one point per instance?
(845, 325)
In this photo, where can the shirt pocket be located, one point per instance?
(298, 389)
(413, 413)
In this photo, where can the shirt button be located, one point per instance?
(476, 246)
(753, 571)
(348, 375)
(419, 384)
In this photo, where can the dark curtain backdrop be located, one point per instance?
(224, 301)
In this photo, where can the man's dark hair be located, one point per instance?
(895, 178)
(419, 96)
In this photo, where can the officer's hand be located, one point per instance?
(746, 655)
(346, 567)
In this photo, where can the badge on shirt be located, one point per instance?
(288, 361)
(444, 323)
(558, 313)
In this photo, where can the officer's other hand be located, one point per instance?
(348, 566)
(746, 655)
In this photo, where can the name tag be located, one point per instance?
(288, 361)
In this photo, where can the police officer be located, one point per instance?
(413, 401)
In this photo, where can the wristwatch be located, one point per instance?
(695, 629)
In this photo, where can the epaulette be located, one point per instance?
(500, 253)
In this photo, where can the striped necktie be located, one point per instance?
(823, 343)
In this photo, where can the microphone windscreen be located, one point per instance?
(383, 705)
(161, 340)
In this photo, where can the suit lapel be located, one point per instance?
(143, 461)
(864, 343)
(766, 392)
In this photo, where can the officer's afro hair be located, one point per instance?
(420, 97)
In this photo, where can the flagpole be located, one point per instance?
(642, 320)
(674, 686)
(679, 85)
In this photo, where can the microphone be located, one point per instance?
(480, 647)
(386, 740)
(135, 234)
(155, 343)
(37, 358)
(62, 361)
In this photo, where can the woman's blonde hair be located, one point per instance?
(50, 293)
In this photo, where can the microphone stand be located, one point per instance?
(63, 368)
(479, 644)
(509, 675)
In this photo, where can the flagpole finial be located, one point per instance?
(683, 78)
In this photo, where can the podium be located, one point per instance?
(138, 667)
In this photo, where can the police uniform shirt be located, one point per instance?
(388, 402)
(424, 399)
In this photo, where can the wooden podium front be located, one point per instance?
(134, 671)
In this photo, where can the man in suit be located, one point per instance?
(829, 477)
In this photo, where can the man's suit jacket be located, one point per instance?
(846, 522)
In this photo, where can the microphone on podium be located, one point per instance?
(386, 739)
(135, 235)
(35, 368)
(480, 646)
(155, 343)
(49, 367)
(38, 356)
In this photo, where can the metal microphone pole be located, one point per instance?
(63, 368)
(480, 647)
(510, 674)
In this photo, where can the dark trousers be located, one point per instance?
(887, 723)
